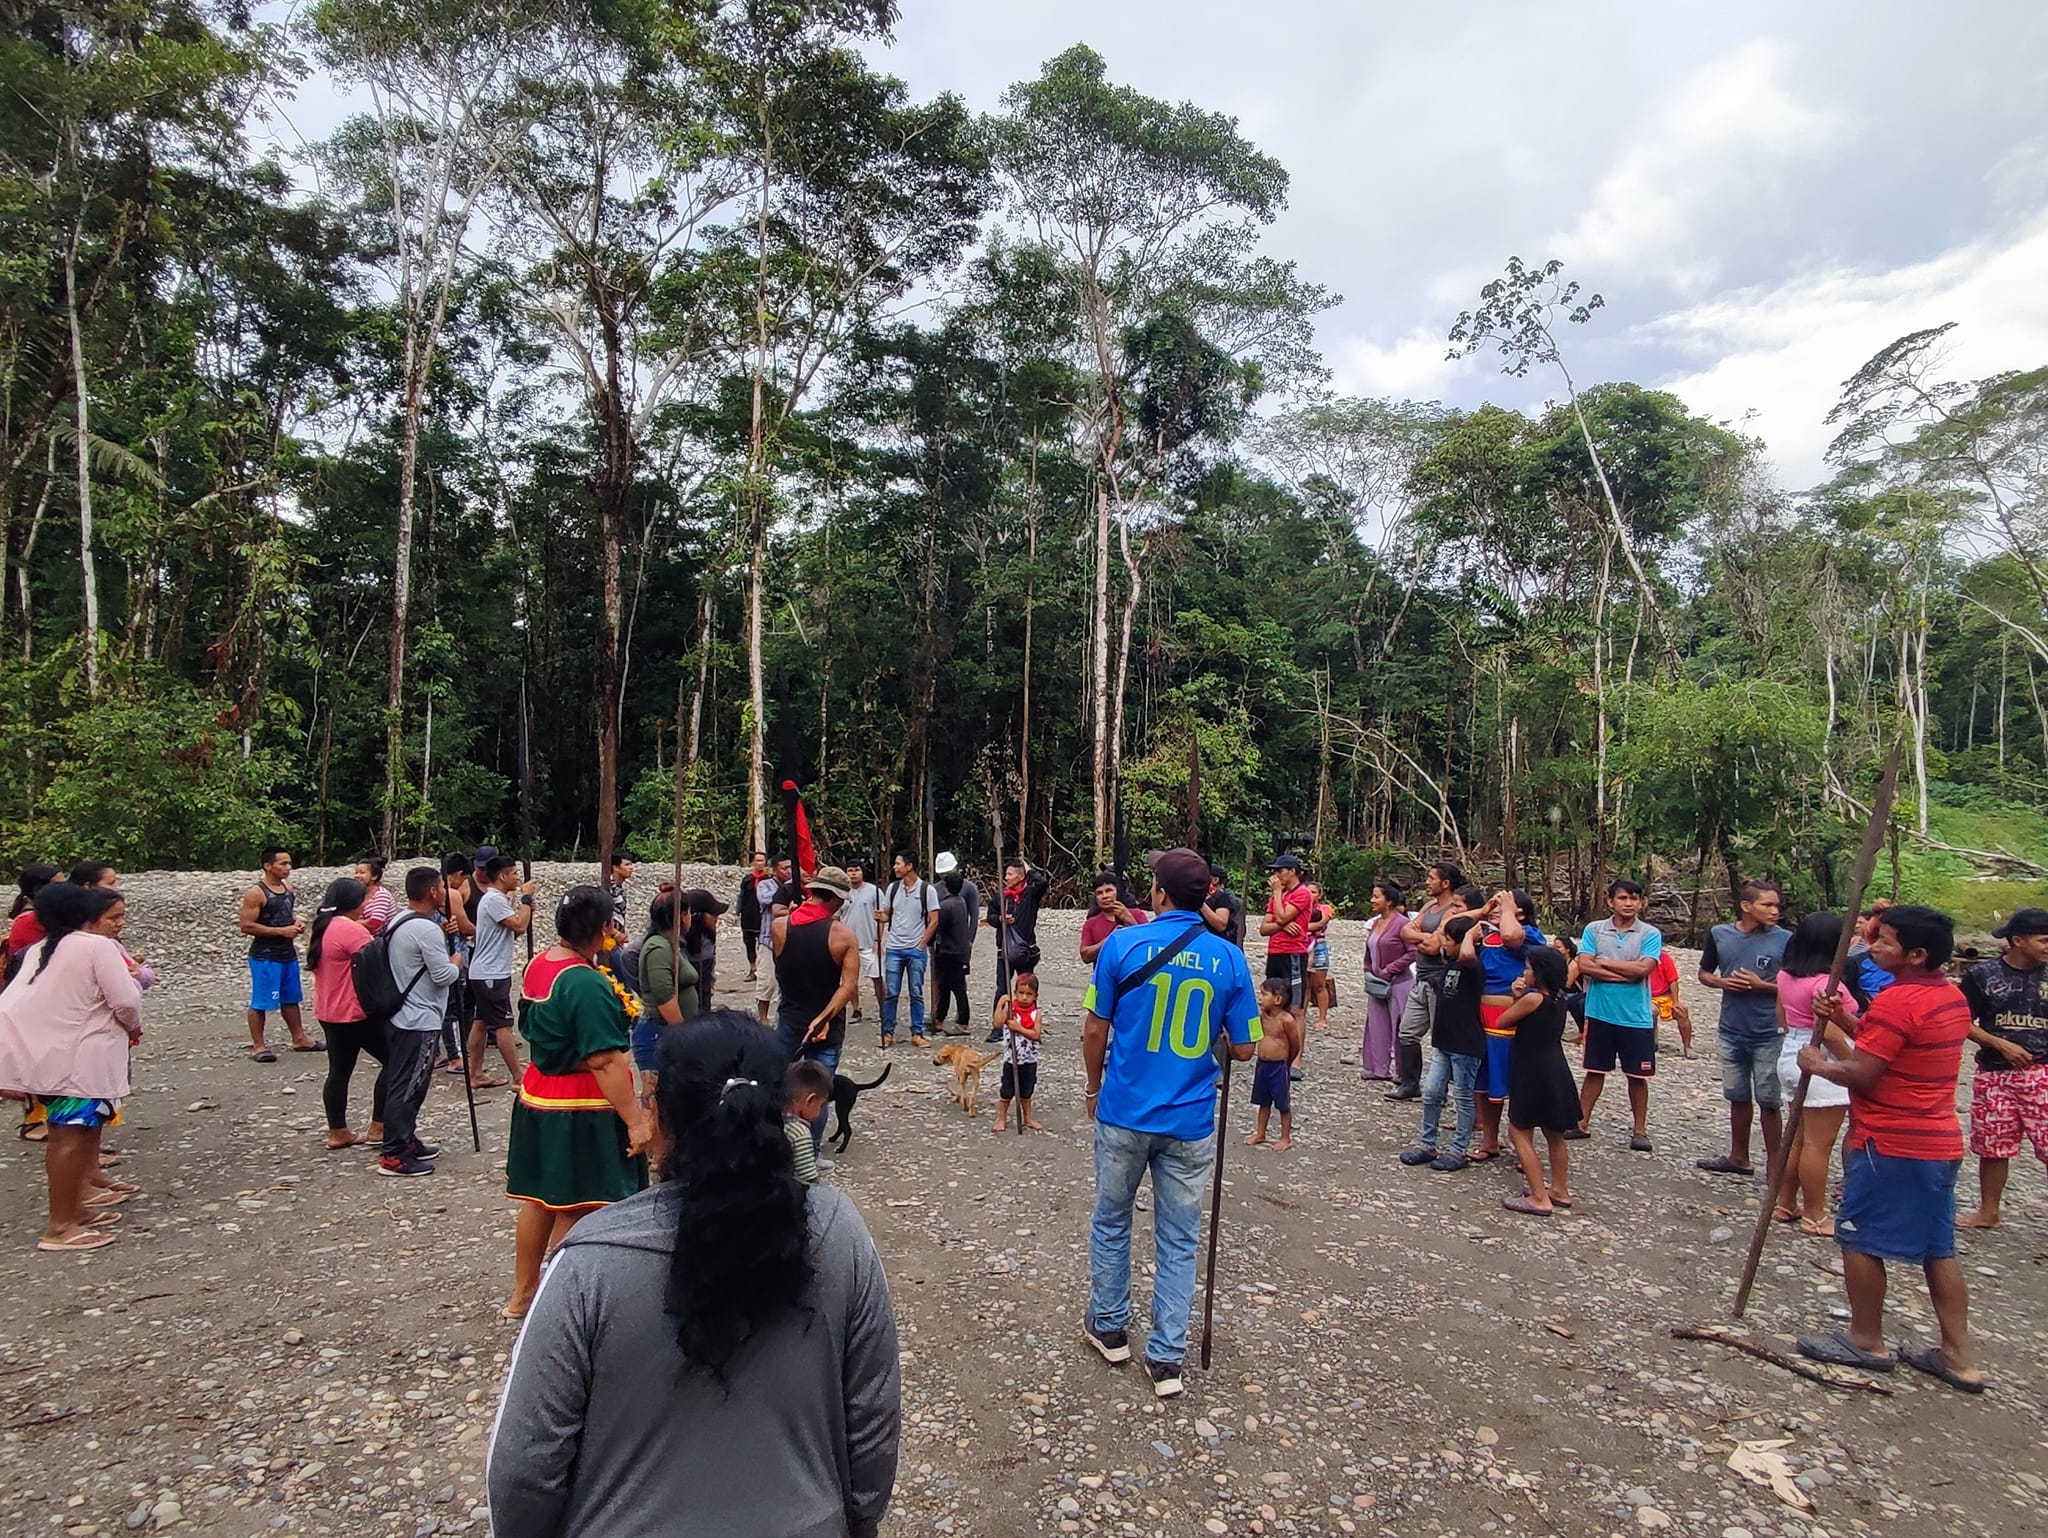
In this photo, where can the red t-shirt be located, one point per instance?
(1665, 979)
(1099, 926)
(1294, 905)
(1918, 1028)
(25, 931)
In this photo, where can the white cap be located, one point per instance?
(945, 864)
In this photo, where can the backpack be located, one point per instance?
(377, 989)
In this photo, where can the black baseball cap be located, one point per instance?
(1182, 874)
(2024, 921)
(1286, 862)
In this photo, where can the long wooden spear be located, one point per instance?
(1215, 1212)
(1859, 882)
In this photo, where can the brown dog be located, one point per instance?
(967, 1066)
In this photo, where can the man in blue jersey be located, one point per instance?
(1161, 995)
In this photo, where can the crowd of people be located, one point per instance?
(699, 1293)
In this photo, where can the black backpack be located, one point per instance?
(377, 989)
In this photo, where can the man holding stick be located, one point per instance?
(1170, 987)
(1904, 1148)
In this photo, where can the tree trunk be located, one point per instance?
(757, 512)
(1099, 680)
(88, 576)
(401, 590)
(1030, 588)
(693, 744)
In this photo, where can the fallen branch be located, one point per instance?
(1997, 857)
(1819, 1372)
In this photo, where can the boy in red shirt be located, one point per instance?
(1285, 927)
(1904, 1148)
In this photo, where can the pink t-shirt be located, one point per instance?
(1797, 994)
(334, 985)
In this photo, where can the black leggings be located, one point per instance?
(951, 972)
(751, 939)
(347, 1040)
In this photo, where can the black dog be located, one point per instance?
(844, 1093)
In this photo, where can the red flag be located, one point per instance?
(800, 826)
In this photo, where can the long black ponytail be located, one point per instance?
(61, 909)
(742, 1253)
(33, 879)
(344, 894)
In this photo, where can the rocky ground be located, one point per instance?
(281, 1343)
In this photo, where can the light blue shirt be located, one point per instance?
(1159, 1076)
(1623, 1004)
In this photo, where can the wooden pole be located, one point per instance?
(1215, 1216)
(1859, 882)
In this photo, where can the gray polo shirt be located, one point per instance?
(490, 957)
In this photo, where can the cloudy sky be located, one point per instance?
(1765, 193)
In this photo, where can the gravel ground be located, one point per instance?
(281, 1343)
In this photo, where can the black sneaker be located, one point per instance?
(399, 1165)
(1640, 1143)
(426, 1151)
(1445, 1164)
(1113, 1345)
(1165, 1377)
(1414, 1156)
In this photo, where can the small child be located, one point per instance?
(1279, 1042)
(1017, 1019)
(806, 1088)
(1542, 1096)
(1667, 1005)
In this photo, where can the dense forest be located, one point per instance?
(650, 401)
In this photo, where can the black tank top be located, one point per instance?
(808, 975)
(279, 908)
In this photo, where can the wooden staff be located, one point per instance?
(1215, 1216)
(1859, 882)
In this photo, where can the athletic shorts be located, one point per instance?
(74, 1110)
(1271, 1086)
(1897, 1209)
(2008, 1106)
(870, 964)
(1749, 1072)
(493, 998)
(1629, 1049)
(1020, 1081)
(273, 984)
(1499, 1053)
(1292, 971)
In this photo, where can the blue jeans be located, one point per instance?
(789, 1032)
(1459, 1074)
(895, 966)
(1179, 1171)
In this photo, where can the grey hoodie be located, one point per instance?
(605, 1433)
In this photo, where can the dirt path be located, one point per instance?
(282, 1343)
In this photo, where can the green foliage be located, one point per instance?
(148, 777)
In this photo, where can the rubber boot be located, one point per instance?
(1408, 1054)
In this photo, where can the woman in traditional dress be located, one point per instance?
(579, 1133)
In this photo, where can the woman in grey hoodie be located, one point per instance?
(716, 1355)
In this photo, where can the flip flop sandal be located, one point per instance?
(1844, 1352)
(311, 1046)
(1523, 1205)
(87, 1241)
(104, 1217)
(33, 1132)
(1483, 1158)
(1927, 1359)
(264, 1055)
(1783, 1215)
(487, 1083)
(109, 1198)
(1562, 1201)
(1824, 1229)
(354, 1142)
(1721, 1164)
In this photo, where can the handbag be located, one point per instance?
(1378, 986)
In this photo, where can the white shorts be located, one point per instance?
(1822, 1094)
(766, 989)
(870, 964)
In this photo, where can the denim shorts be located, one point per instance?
(1897, 1209)
(1749, 1072)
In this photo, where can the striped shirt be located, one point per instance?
(1918, 1028)
(378, 909)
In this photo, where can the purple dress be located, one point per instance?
(1386, 955)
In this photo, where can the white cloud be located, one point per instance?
(1783, 350)
(1704, 161)
(1414, 367)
